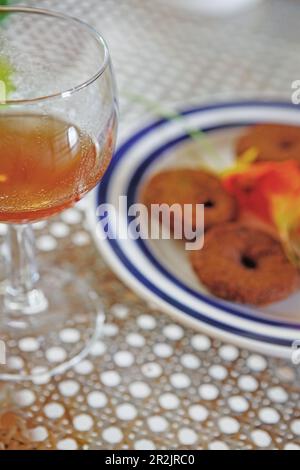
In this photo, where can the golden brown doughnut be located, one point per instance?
(244, 265)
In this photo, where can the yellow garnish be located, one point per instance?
(242, 164)
(286, 216)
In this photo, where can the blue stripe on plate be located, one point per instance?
(191, 312)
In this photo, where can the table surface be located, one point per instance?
(150, 383)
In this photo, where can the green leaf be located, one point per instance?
(6, 74)
(3, 2)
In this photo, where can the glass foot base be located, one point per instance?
(42, 342)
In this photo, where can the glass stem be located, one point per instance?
(22, 294)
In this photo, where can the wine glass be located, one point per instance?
(58, 122)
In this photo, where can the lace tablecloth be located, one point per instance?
(150, 383)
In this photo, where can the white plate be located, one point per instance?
(159, 269)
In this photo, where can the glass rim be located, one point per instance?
(55, 14)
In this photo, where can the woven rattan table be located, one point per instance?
(150, 383)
